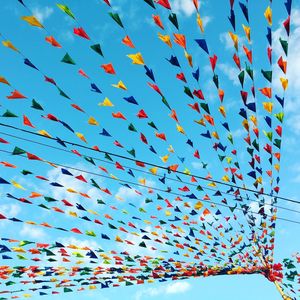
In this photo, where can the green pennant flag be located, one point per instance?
(44, 206)
(94, 183)
(18, 151)
(151, 124)
(143, 244)
(205, 107)
(267, 75)
(97, 48)
(229, 137)
(90, 160)
(131, 152)
(277, 143)
(25, 172)
(269, 135)
(116, 18)
(150, 2)
(255, 144)
(165, 102)
(36, 105)
(188, 92)
(173, 20)
(62, 93)
(221, 157)
(241, 78)
(9, 114)
(216, 80)
(249, 71)
(68, 59)
(66, 10)
(284, 45)
(279, 116)
(107, 156)
(132, 128)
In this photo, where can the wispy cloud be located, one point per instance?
(42, 13)
(177, 287)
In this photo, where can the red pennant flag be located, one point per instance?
(127, 41)
(248, 53)
(161, 136)
(82, 73)
(81, 178)
(16, 95)
(50, 80)
(141, 114)
(143, 139)
(80, 32)
(158, 21)
(173, 115)
(198, 94)
(181, 76)
(77, 107)
(164, 3)
(266, 91)
(51, 40)
(213, 61)
(32, 156)
(195, 107)
(27, 122)
(108, 68)
(118, 115)
(237, 60)
(119, 166)
(196, 154)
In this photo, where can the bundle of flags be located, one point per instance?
(118, 166)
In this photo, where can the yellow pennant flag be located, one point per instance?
(165, 158)
(81, 136)
(284, 83)
(166, 39)
(189, 58)
(235, 40)
(9, 44)
(44, 133)
(137, 58)
(106, 102)
(198, 205)
(268, 106)
(3, 80)
(120, 85)
(93, 121)
(247, 32)
(17, 185)
(33, 21)
(268, 15)
(200, 23)
(180, 129)
(153, 170)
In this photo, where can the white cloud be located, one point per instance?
(184, 6)
(177, 287)
(126, 193)
(29, 231)
(11, 210)
(292, 107)
(42, 13)
(230, 72)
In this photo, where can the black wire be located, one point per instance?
(149, 173)
(151, 164)
(153, 188)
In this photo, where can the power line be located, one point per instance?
(147, 172)
(153, 188)
(150, 164)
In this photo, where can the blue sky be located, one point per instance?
(139, 26)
